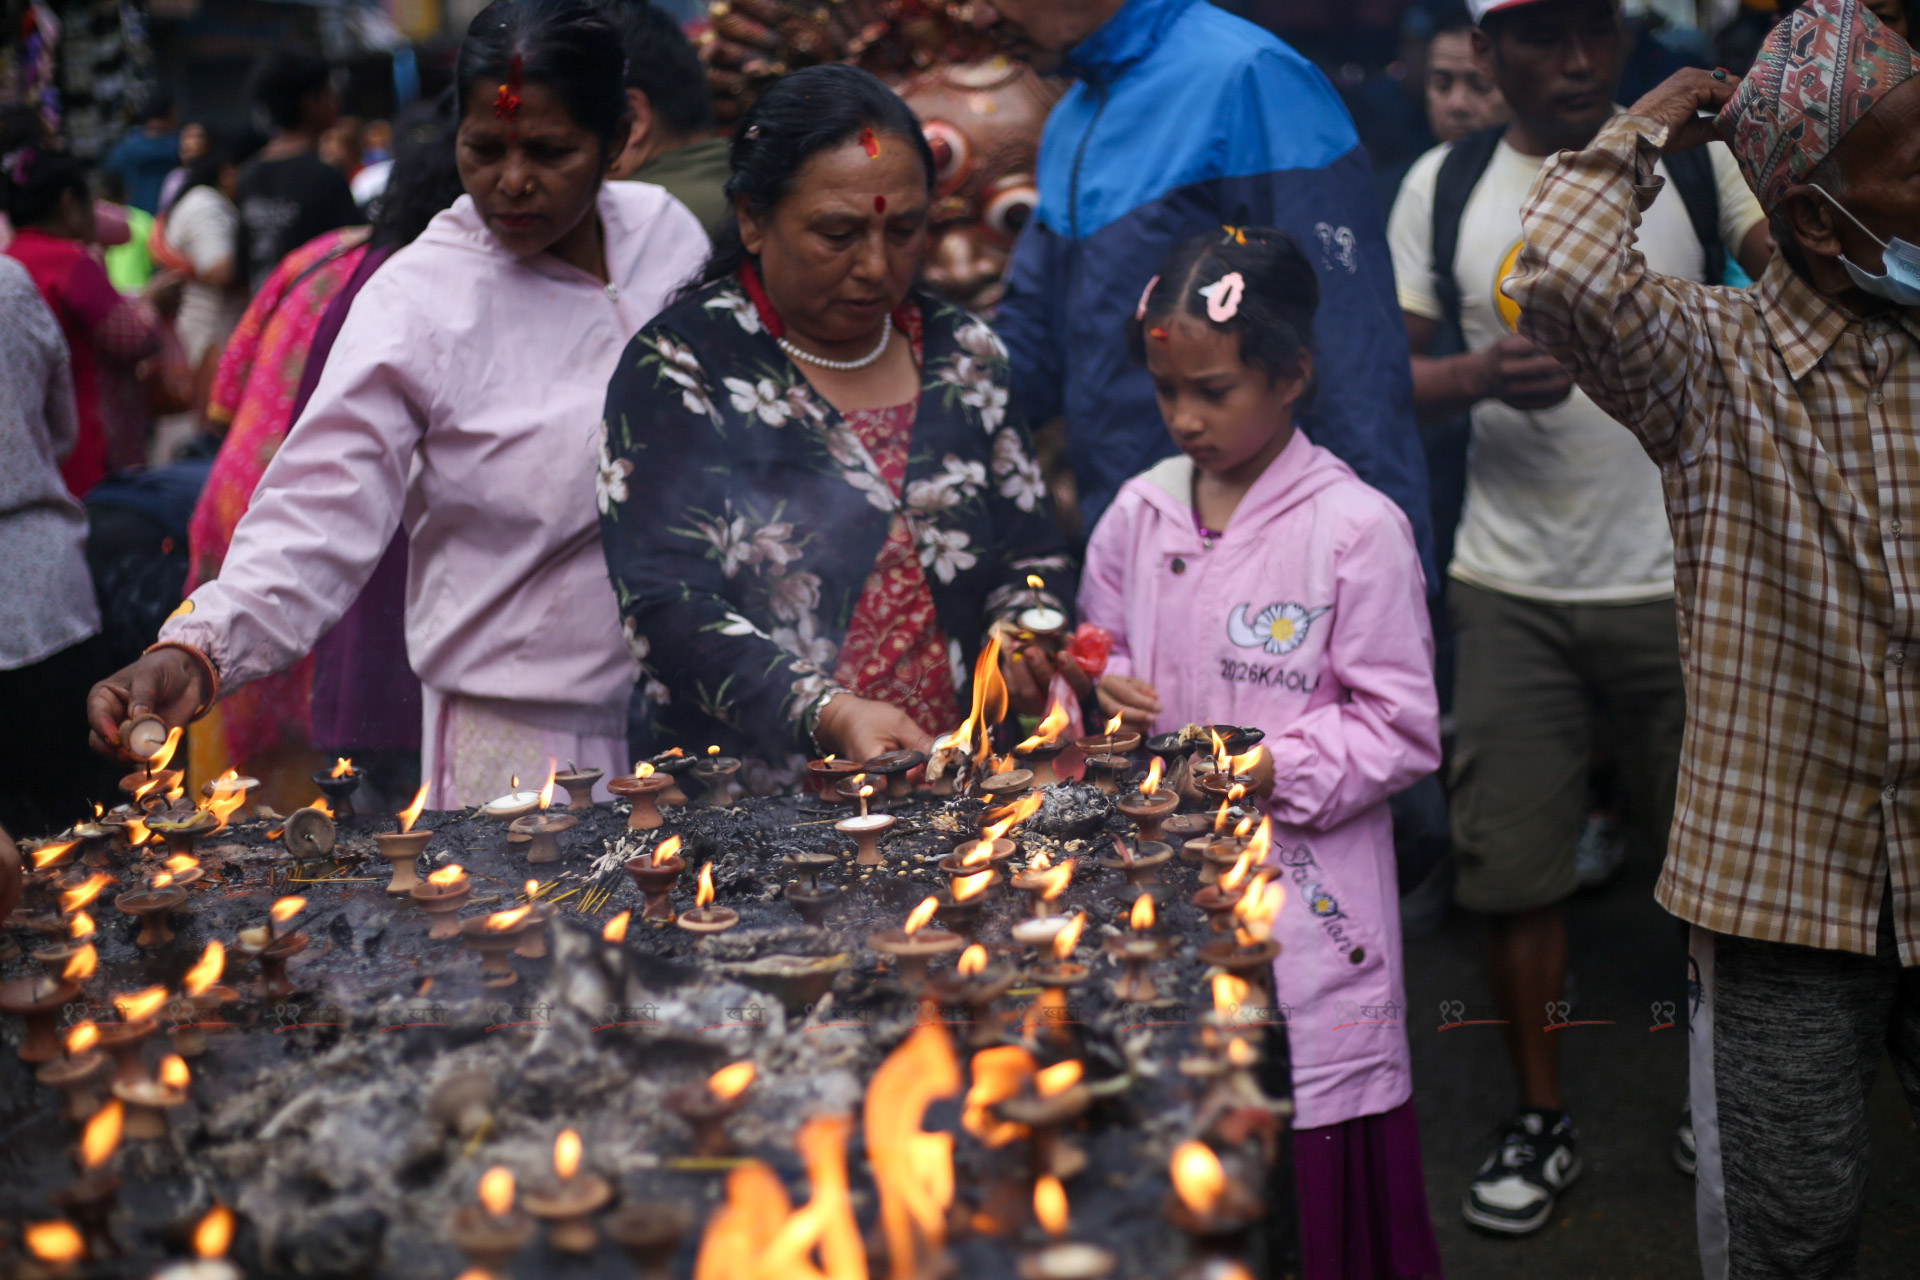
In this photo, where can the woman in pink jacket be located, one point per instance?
(1255, 580)
(464, 396)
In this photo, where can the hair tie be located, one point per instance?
(1236, 235)
(1223, 297)
(18, 165)
(1140, 312)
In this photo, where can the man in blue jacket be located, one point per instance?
(1186, 118)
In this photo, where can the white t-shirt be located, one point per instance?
(205, 228)
(1561, 505)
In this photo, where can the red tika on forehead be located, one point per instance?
(879, 204)
(506, 104)
(871, 143)
(1158, 335)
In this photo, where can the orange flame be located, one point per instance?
(1048, 730)
(322, 806)
(913, 1169)
(225, 801)
(1221, 819)
(140, 1004)
(207, 971)
(918, 917)
(140, 792)
(101, 1138)
(161, 880)
(967, 888)
(999, 1073)
(81, 1038)
(667, 850)
(1035, 581)
(451, 874)
(1257, 908)
(1240, 766)
(1113, 725)
(137, 833)
(47, 854)
(1150, 785)
(56, 1242)
(1050, 1205)
(82, 926)
(164, 756)
(1005, 820)
(532, 889)
(1001, 764)
(411, 814)
(1220, 757)
(546, 792)
(1058, 1078)
(214, 1233)
(174, 1073)
(990, 703)
(1233, 877)
(180, 862)
(566, 1154)
(973, 961)
(1261, 843)
(1039, 861)
(496, 1190)
(1055, 880)
(759, 1235)
(504, 920)
(703, 893)
(1243, 828)
(341, 767)
(1229, 993)
(1198, 1179)
(1241, 1053)
(616, 930)
(730, 1081)
(84, 893)
(1142, 917)
(81, 964)
(641, 769)
(978, 855)
(286, 909)
(1068, 938)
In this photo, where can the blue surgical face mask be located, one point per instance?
(1900, 282)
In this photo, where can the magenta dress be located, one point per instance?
(1363, 1200)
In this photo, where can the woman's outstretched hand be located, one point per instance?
(861, 728)
(1135, 701)
(166, 683)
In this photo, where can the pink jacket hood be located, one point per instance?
(1308, 619)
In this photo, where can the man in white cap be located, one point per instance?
(1782, 419)
(1561, 589)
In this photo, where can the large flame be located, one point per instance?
(411, 814)
(1142, 917)
(285, 909)
(496, 1191)
(1229, 994)
(501, 921)
(81, 964)
(546, 792)
(448, 876)
(1058, 1078)
(48, 854)
(1243, 765)
(1054, 880)
(173, 1072)
(1114, 725)
(137, 833)
(225, 801)
(973, 961)
(214, 1233)
(999, 1073)
(56, 1242)
(83, 894)
(1198, 1179)
(1068, 938)
(1233, 877)
(164, 756)
(161, 880)
(967, 888)
(1004, 820)
(207, 970)
(730, 1081)
(1156, 770)
(101, 1137)
(759, 1235)
(1223, 818)
(703, 893)
(566, 1154)
(978, 854)
(342, 767)
(140, 1004)
(974, 737)
(1260, 844)
(667, 850)
(82, 1037)
(1048, 731)
(616, 930)
(1050, 1205)
(1220, 757)
(918, 917)
(913, 1169)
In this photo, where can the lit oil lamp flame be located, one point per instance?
(967, 888)
(1238, 766)
(666, 851)
(918, 917)
(83, 894)
(207, 970)
(177, 794)
(496, 1191)
(411, 814)
(161, 880)
(999, 1073)
(616, 930)
(973, 961)
(164, 756)
(140, 1004)
(1037, 582)
(703, 893)
(1241, 1053)
(1260, 844)
(730, 1081)
(501, 921)
(912, 1169)
(641, 769)
(1198, 1179)
(225, 800)
(81, 927)
(1229, 993)
(675, 753)
(180, 862)
(173, 1072)
(448, 876)
(1113, 725)
(137, 833)
(101, 1138)
(1002, 764)
(1039, 861)
(214, 1233)
(1220, 757)
(47, 854)
(546, 792)
(1150, 785)
(1233, 877)
(343, 767)
(1068, 938)
(81, 964)
(56, 1243)
(1236, 793)
(1054, 882)
(1141, 918)
(978, 855)
(531, 889)
(285, 909)
(322, 806)
(1058, 1078)
(144, 789)
(1222, 819)
(714, 750)
(1005, 820)
(82, 1037)
(1257, 909)
(990, 703)
(1048, 730)
(1050, 1205)
(566, 1154)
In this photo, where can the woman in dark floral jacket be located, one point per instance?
(814, 498)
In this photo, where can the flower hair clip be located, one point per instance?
(1140, 312)
(1223, 297)
(1234, 235)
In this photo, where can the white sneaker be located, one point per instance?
(1515, 1190)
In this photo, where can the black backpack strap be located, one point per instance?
(1459, 173)
(1693, 177)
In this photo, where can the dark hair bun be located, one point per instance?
(1279, 295)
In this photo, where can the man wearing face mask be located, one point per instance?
(1782, 420)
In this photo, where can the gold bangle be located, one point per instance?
(206, 664)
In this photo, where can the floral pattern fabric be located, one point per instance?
(743, 516)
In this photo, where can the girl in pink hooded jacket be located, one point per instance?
(1255, 580)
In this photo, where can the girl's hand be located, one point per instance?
(1132, 699)
(861, 728)
(1262, 773)
(166, 683)
(1029, 673)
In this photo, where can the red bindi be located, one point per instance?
(1158, 335)
(506, 104)
(879, 204)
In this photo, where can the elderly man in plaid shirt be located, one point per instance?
(1785, 421)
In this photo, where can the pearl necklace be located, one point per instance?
(886, 336)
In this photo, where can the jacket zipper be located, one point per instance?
(1080, 155)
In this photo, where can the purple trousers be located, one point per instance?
(1363, 1200)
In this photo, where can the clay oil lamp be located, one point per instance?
(655, 875)
(94, 839)
(75, 960)
(975, 857)
(812, 899)
(1107, 773)
(338, 785)
(182, 830)
(1050, 1100)
(231, 789)
(1037, 933)
(643, 790)
(913, 944)
(1152, 802)
(707, 1106)
(705, 917)
(568, 1203)
(1138, 950)
(1182, 827)
(996, 827)
(999, 788)
(961, 905)
(1139, 865)
(403, 848)
(1249, 954)
(121, 1041)
(200, 986)
(1219, 899)
(148, 1101)
(1039, 752)
(185, 870)
(37, 1002)
(720, 776)
(676, 764)
(650, 1234)
(865, 829)
(491, 1232)
(494, 938)
(211, 1237)
(1219, 855)
(273, 949)
(824, 776)
(544, 827)
(514, 804)
(974, 984)
(579, 784)
(309, 836)
(441, 896)
(1216, 1212)
(1061, 1258)
(533, 935)
(1044, 882)
(80, 1075)
(1117, 742)
(1061, 972)
(51, 857)
(897, 767)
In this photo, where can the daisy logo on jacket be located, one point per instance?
(1279, 628)
(1322, 903)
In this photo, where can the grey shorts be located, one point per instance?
(1532, 681)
